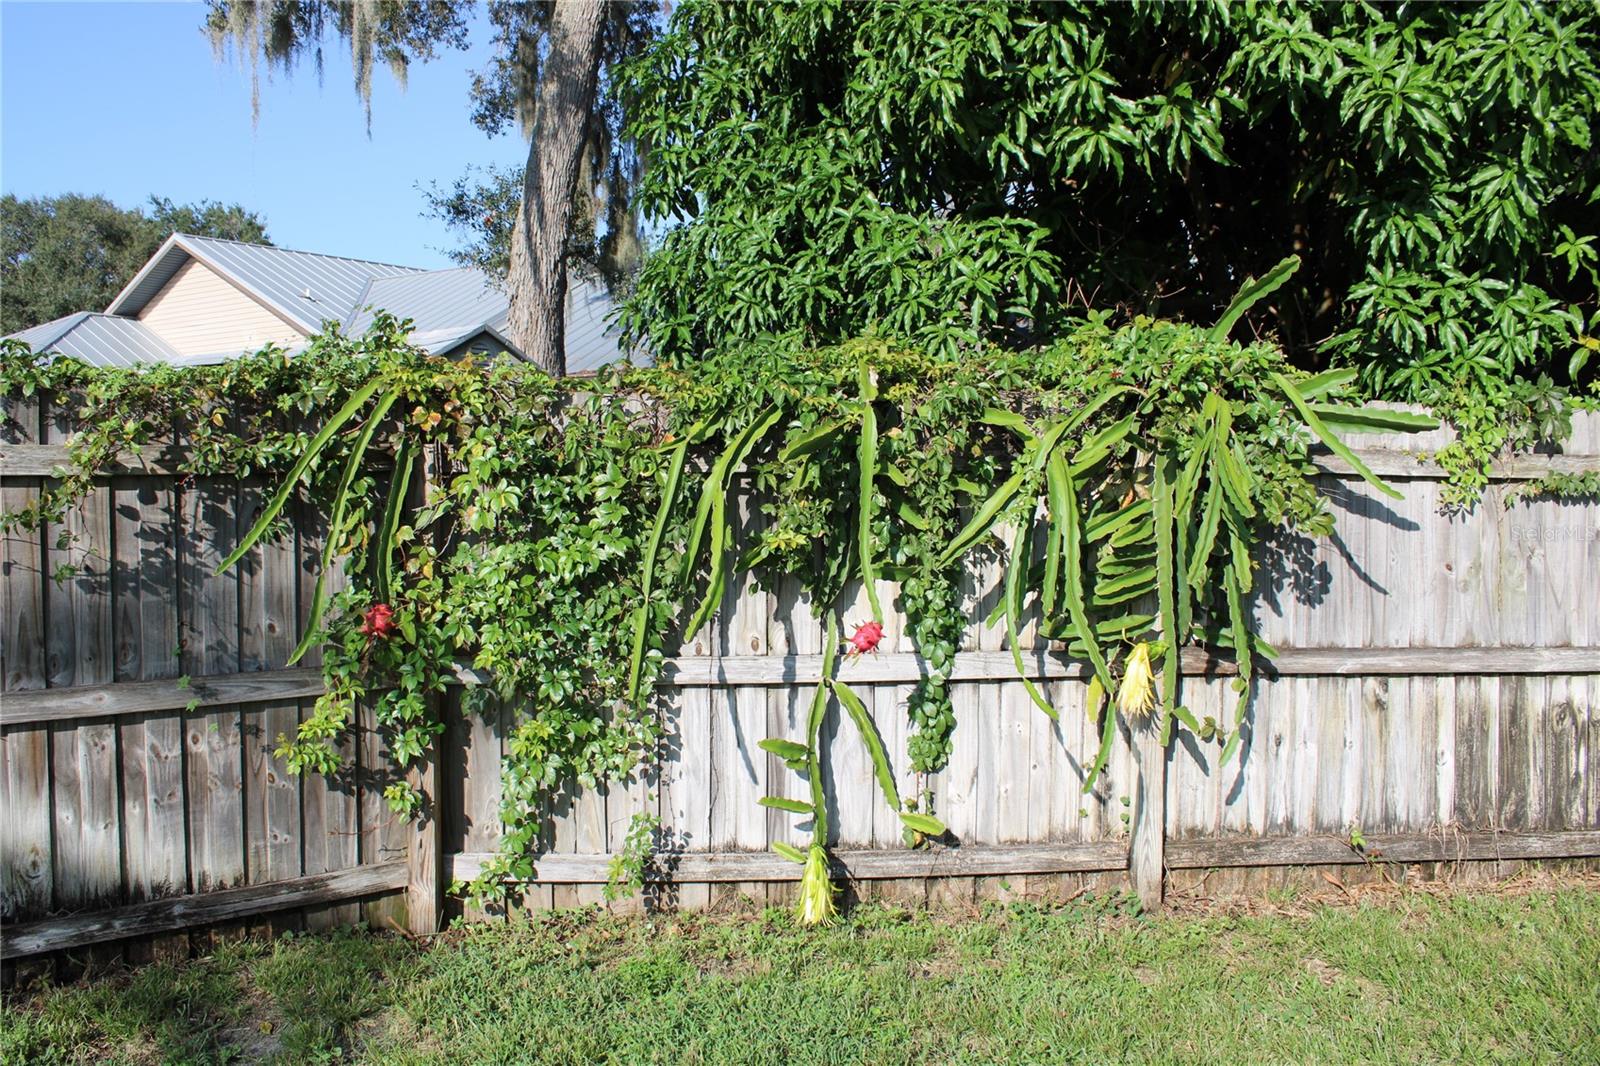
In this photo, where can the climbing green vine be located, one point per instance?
(548, 543)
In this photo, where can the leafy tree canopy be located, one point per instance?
(951, 172)
(74, 253)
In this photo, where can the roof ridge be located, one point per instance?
(435, 270)
(296, 251)
(349, 318)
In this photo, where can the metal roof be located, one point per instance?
(433, 300)
(279, 278)
(591, 341)
(100, 340)
(447, 308)
(47, 333)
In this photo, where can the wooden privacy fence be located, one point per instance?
(1437, 692)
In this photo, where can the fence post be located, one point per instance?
(424, 848)
(424, 854)
(1147, 850)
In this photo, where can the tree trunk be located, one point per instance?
(537, 279)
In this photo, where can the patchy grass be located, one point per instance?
(295, 1000)
(1408, 977)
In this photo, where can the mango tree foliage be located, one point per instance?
(951, 172)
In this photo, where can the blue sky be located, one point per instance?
(126, 100)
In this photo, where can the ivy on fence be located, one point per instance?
(573, 531)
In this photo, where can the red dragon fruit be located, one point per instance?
(865, 638)
(379, 622)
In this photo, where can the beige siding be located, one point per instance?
(198, 312)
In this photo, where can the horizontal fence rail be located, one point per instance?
(51, 460)
(184, 912)
(857, 865)
(1195, 662)
(144, 697)
(1100, 855)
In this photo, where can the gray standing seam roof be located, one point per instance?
(591, 342)
(447, 308)
(100, 340)
(433, 300)
(278, 277)
(45, 334)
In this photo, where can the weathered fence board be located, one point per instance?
(194, 911)
(142, 695)
(138, 698)
(144, 536)
(86, 850)
(1437, 692)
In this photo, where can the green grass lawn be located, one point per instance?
(1408, 978)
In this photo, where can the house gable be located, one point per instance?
(198, 312)
(485, 343)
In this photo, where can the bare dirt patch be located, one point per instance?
(1342, 893)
